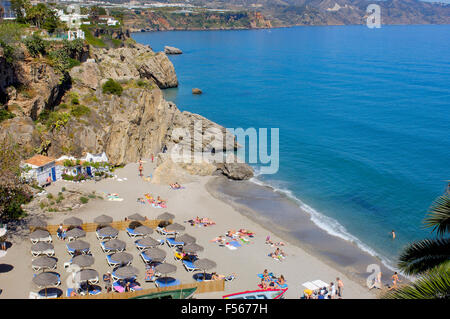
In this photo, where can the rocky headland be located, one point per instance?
(71, 114)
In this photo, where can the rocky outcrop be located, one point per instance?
(135, 62)
(236, 171)
(172, 50)
(196, 91)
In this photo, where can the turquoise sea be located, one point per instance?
(363, 116)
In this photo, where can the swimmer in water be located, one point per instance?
(393, 234)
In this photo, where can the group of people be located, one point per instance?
(240, 233)
(268, 280)
(271, 243)
(278, 254)
(333, 291)
(204, 221)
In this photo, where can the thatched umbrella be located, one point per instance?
(134, 224)
(103, 220)
(165, 269)
(148, 242)
(155, 254)
(143, 230)
(204, 264)
(73, 221)
(137, 217)
(175, 227)
(166, 216)
(46, 279)
(122, 257)
(83, 260)
(108, 231)
(41, 246)
(37, 222)
(115, 245)
(39, 233)
(44, 262)
(126, 272)
(186, 239)
(192, 248)
(87, 274)
(75, 233)
(78, 245)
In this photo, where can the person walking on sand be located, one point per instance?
(340, 285)
(395, 279)
(152, 157)
(141, 168)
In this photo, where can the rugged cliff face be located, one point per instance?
(78, 118)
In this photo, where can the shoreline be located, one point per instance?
(344, 255)
(194, 200)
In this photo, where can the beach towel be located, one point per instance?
(230, 247)
(159, 206)
(234, 243)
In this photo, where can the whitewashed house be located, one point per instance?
(39, 168)
(96, 158)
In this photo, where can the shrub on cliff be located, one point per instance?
(5, 115)
(112, 87)
(35, 45)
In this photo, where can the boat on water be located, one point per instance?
(258, 294)
(169, 294)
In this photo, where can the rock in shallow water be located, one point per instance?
(172, 50)
(196, 91)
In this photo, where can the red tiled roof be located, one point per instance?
(39, 160)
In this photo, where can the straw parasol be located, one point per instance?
(165, 269)
(143, 230)
(148, 242)
(37, 222)
(39, 233)
(103, 219)
(83, 260)
(192, 248)
(75, 233)
(46, 279)
(122, 257)
(126, 272)
(115, 244)
(87, 274)
(137, 217)
(78, 245)
(166, 216)
(155, 254)
(73, 221)
(108, 231)
(204, 264)
(186, 239)
(175, 227)
(44, 262)
(41, 246)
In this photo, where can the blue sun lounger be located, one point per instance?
(173, 243)
(132, 233)
(145, 258)
(189, 265)
(162, 282)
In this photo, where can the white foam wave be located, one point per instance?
(328, 224)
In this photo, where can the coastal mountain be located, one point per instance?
(338, 12)
(112, 102)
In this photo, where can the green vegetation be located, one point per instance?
(80, 110)
(429, 259)
(112, 87)
(5, 115)
(35, 45)
(84, 200)
(39, 15)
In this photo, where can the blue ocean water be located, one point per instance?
(363, 114)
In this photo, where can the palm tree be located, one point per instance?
(429, 259)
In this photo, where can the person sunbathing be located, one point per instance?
(206, 221)
(215, 276)
(263, 284)
(281, 281)
(231, 233)
(160, 201)
(149, 273)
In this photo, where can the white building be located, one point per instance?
(96, 158)
(40, 168)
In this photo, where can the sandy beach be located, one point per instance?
(194, 200)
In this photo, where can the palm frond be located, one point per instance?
(434, 284)
(423, 255)
(438, 216)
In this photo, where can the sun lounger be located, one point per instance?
(72, 251)
(69, 291)
(171, 242)
(163, 232)
(162, 282)
(101, 236)
(48, 252)
(47, 239)
(111, 262)
(37, 268)
(189, 265)
(95, 291)
(145, 258)
(132, 233)
(135, 287)
(117, 287)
